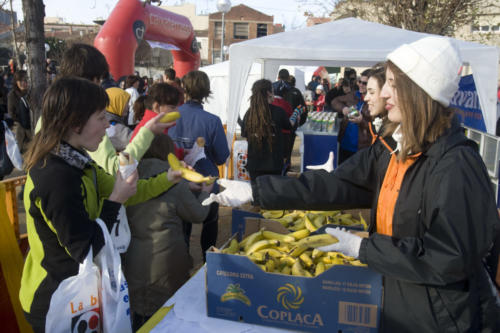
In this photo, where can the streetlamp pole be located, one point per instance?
(223, 6)
(222, 40)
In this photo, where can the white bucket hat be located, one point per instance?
(433, 63)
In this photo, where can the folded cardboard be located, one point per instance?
(343, 298)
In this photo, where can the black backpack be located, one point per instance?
(23, 114)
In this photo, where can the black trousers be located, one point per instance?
(209, 230)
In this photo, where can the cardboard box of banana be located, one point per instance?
(293, 253)
(276, 277)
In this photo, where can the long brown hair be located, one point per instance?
(258, 123)
(423, 119)
(68, 103)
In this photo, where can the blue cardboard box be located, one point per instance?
(343, 298)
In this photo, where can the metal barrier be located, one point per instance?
(489, 149)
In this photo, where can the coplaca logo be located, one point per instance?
(290, 296)
(235, 292)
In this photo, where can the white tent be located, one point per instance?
(348, 42)
(219, 85)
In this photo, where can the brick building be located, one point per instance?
(240, 23)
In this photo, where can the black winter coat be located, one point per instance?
(262, 159)
(444, 223)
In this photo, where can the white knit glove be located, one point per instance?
(194, 155)
(328, 166)
(348, 243)
(236, 193)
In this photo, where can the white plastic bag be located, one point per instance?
(74, 306)
(12, 148)
(115, 306)
(120, 233)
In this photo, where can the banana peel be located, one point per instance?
(188, 174)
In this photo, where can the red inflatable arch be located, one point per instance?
(133, 20)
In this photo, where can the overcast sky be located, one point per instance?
(286, 12)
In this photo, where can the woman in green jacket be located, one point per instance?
(66, 191)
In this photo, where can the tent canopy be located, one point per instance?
(348, 42)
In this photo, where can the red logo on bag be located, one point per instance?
(87, 322)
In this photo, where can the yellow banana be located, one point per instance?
(188, 174)
(356, 263)
(249, 240)
(317, 254)
(299, 234)
(272, 214)
(288, 260)
(298, 270)
(274, 235)
(271, 252)
(257, 257)
(298, 250)
(363, 222)
(317, 240)
(309, 225)
(319, 220)
(270, 265)
(171, 116)
(232, 248)
(320, 268)
(260, 245)
(286, 270)
(306, 259)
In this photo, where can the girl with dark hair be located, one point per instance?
(66, 191)
(19, 110)
(262, 126)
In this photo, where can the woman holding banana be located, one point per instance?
(433, 217)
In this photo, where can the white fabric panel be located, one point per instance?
(350, 42)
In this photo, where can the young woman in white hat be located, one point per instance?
(434, 216)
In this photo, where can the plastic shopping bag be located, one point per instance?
(115, 306)
(12, 148)
(74, 306)
(120, 233)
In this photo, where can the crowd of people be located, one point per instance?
(402, 153)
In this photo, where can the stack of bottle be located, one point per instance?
(321, 122)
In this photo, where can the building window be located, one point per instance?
(215, 56)
(495, 28)
(261, 30)
(475, 28)
(485, 28)
(241, 30)
(217, 30)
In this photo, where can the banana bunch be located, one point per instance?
(294, 253)
(312, 220)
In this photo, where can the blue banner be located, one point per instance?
(467, 103)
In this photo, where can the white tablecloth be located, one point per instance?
(189, 313)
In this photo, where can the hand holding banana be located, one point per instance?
(348, 243)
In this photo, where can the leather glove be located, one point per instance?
(328, 166)
(195, 154)
(236, 193)
(348, 243)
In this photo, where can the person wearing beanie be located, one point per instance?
(117, 113)
(434, 226)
